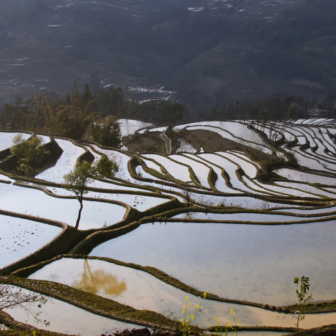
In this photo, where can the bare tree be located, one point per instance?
(13, 297)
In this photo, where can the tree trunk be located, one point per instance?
(297, 324)
(79, 214)
(39, 103)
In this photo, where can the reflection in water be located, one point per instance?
(259, 261)
(99, 281)
(144, 291)
(67, 319)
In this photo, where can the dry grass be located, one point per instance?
(145, 143)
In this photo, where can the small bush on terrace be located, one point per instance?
(106, 167)
(30, 154)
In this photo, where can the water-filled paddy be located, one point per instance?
(68, 319)
(256, 187)
(297, 175)
(248, 217)
(309, 162)
(220, 183)
(249, 169)
(247, 262)
(286, 191)
(121, 160)
(143, 291)
(106, 185)
(37, 203)
(306, 187)
(6, 139)
(152, 164)
(200, 169)
(64, 164)
(21, 237)
(5, 178)
(308, 211)
(227, 135)
(178, 171)
(130, 126)
(142, 173)
(139, 202)
(237, 201)
(229, 167)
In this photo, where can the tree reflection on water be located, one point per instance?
(99, 281)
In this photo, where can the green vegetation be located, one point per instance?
(87, 115)
(79, 178)
(293, 111)
(229, 326)
(106, 167)
(84, 115)
(302, 298)
(77, 181)
(106, 132)
(30, 154)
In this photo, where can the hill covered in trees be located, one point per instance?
(87, 115)
(202, 52)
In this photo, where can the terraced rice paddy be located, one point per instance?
(239, 223)
(35, 202)
(259, 260)
(143, 291)
(20, 237)
(69, 319)
(7, 139)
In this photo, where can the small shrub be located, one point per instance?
(302, 298)
(30, 154)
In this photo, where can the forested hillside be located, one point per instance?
(197, 52)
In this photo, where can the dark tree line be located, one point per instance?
(88, 116)
(84, 115)
(76, 115)
(273, 107)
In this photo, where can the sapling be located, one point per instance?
(302, 298)
(83, 174)
(77, 181)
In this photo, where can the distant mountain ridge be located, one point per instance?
(206, 51)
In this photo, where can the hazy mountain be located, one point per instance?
(205, 51)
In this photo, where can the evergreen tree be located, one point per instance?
(107, 133)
